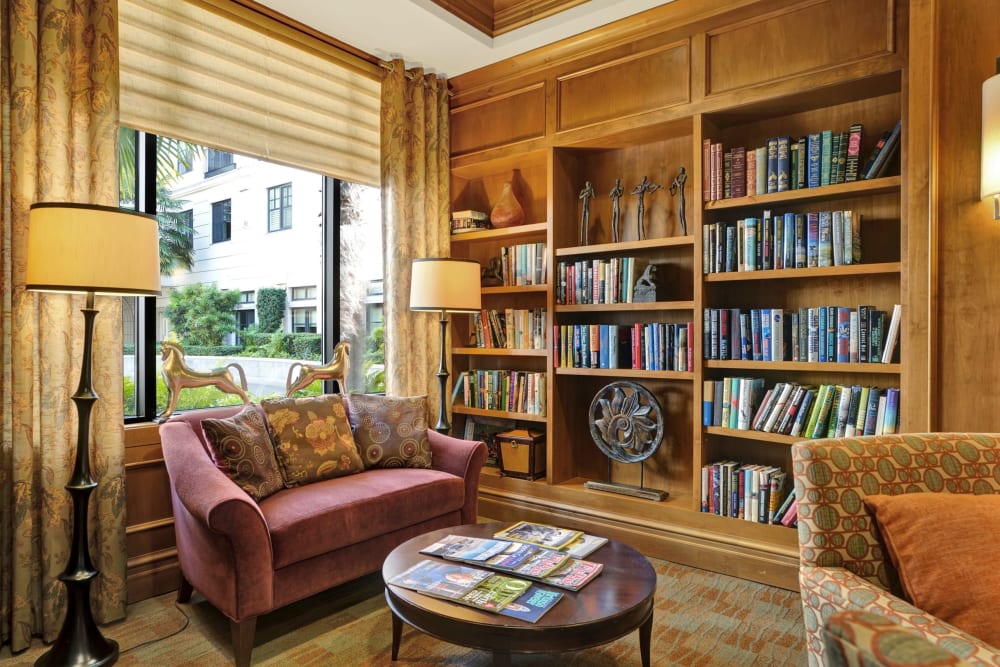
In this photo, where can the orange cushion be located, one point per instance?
(944, 546)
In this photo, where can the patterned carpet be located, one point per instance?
(701, 619)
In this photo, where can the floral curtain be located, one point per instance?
(60, 116)
(415, 218)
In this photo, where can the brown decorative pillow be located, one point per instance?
(390, 431)
(944, 547)
(312, 438)
(241, 447)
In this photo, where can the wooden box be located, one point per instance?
(522, 453)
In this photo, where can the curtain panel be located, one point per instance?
(415, 218)
(60, 121)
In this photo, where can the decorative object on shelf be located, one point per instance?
(645, 186)
(990, 159)
(626, 423)
(336, 369)
(492, 275)
(80, 248)
(677, 187)
(585, 195)
(507, 212)
(447, 285)
(521, 453)
(486, 429)
(468, 221)
(177, 375)
(616, 209)
(645, 287)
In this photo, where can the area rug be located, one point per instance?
(701, 619)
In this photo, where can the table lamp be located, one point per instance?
(450, 286)
(83, 248)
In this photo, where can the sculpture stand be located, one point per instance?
(640, 491)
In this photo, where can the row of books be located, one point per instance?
(598, 281)
(511, 391)
(510, 328)
(819, 159)
(835, 334)
(651, 346)
(790, 408)
(523, 264)
(783, 241)
(751, 492)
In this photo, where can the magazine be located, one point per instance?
(540, 534)
(460, 547)
(574, 575)
(481, 589)
(574, 542)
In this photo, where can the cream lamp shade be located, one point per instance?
(990, 166)
(89, 248)
(445, 284)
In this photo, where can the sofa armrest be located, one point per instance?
(827, 590)
(223, 541)
(860, 638)
(463, 458)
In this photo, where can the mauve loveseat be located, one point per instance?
(248, 558)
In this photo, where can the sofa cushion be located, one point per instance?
(312, 438)
(240, 446)
(390, 431)
(944, 547)
(321, 517)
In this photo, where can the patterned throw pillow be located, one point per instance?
(312, 438)
(241, 447)
(391, 432)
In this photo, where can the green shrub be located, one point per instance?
(212, 350)
(307, 346)
(270, 308)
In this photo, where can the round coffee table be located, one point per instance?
(616, 602)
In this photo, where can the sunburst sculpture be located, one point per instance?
(626, 422)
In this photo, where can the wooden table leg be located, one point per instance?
(645, 633)
(397, 634)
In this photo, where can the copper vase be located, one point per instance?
(507, 212)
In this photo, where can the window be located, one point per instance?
(222, 228)
(303, 320)
(279, 207)
(303, 293)
(184, 160)
(187, 220)
(263, 285)
(218, 162)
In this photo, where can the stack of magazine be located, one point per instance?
(533, 551)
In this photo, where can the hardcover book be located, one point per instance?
(851, 164)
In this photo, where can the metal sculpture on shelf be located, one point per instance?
(645, 186)
(586, 195)
(626, 423)
(616, 209)
(645, 286)
(177, 375)
(677, 187)
(336, 370)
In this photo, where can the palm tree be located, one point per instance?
(176, 240)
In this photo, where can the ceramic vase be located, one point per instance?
(507, 212)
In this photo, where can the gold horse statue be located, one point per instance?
(178, 375)
(309, 373)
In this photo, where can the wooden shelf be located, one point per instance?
(515, 289)
(497, 352)
(626, 246)
(499, 414)
(627, 373)
(802, 366)
(505, 233)
(624, 307)
(807, 273)
(886, 185)
(760, 436)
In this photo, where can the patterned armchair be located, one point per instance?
(843, 564)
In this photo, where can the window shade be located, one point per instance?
(220, 75)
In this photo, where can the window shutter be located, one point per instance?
(221, 75)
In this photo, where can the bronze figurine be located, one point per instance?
(585, 195)
(641, 190)
(177, 375)
(678, 187)
(336, 370)
(616, 209)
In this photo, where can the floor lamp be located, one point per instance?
(81, 248)
(446, 285)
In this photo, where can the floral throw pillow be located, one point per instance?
(312, 438)
(390, 431)
(241, 447)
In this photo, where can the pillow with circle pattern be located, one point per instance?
(241, 447)
(312, 438)
(390, 431)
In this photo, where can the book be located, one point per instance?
(885, 153)
(772, 164)
(540, 534)
(826, 155)
(876, 149)
(854, 138)
(814, 149)
(892, 334)
(783, 164)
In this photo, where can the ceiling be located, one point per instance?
(425, 34)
